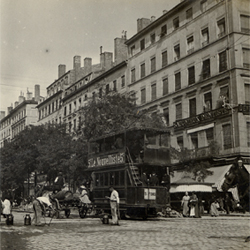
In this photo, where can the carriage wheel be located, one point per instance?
(67, 212)
(83, 211)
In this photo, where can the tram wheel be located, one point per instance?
(67, 212)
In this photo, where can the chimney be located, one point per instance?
(21, 98)
(120, 49)
(106, 59)
(16, 104)
(61, 70)
(87, 65)
(152, 19)
(37, 93)
(2, 114)
(9, 109)
(77, 62)
(28, 95)
(142, 23)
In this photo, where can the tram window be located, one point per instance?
(106, 179)
(97, 180)
(101, 180)
(164, 140)
(122, 178)
(116, 182)
(112, 179)
(151, 140)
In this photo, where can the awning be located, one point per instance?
(191, 188)
(216, 179)
(247, 167)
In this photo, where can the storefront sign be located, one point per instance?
(107, 160)
(149, 194)
(210, 115)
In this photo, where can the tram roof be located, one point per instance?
(130, 130)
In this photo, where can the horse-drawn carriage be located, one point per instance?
(65, 200)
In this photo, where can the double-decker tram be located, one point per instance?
(136, 163)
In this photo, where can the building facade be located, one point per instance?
(192, 66)
(23, 113)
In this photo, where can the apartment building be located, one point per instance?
(192, 66)
(23, 113)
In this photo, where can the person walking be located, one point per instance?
(114, 205)
(6, 208)
(40, 204)
(184, 204)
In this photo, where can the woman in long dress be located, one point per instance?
(194, 210)
(7, 208)
(184, 204)
(214, 209)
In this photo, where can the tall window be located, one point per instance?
(70, 108)
(221, 27)
(152, 38)
(178, 110)
(153, 64)
(180, 141)
(100, 92)
(164, 58)
(166, 115)
(191, 75)
(176, 23)
(194, 140)
(246, 58)
(115, 85)
(245, 23)
(143, 96)
(132, 50)
(190, 45)
(132, 75)
(143, 70)
(123, 81)
(153, 91)
(224, 96)
(203, 5)
(192, 107)
(165, 86)
(227, 139)
(178, 81)
(207, 105)
(177, 52)
(205, 37)
(163, 30)
(142, 44)
(223, 61)
(210, 135)
(189, 14)
(248, 134)
(205, 69)
(247, 93)
(107, 89)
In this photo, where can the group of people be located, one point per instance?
(191, 205)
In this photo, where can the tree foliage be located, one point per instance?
(115, 112)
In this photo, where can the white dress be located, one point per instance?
(7, 207)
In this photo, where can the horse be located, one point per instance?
(238, 176)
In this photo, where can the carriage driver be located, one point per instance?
(114, 205)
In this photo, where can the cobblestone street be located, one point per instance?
(162, 233)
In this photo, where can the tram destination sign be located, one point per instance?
(107, 160)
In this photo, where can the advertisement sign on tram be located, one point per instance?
(107, 160)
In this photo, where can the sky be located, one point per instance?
(38, 35)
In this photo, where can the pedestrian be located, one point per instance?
(114, 205)
(84, 197)
(40, 204)
(6, 208)
(144, 179)
(59, 183)
(184, 204)
(154, 181)
(214, 208)
(194, 207)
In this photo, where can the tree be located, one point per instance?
(115, 112)
(44, 149)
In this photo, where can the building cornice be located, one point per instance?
(49, 99)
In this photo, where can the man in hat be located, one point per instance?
(40, 204)
(58, 183)
(114, 205)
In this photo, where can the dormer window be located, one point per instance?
(142, 44)
(163, 30)
(176, 23)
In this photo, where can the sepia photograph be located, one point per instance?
(125, 125)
